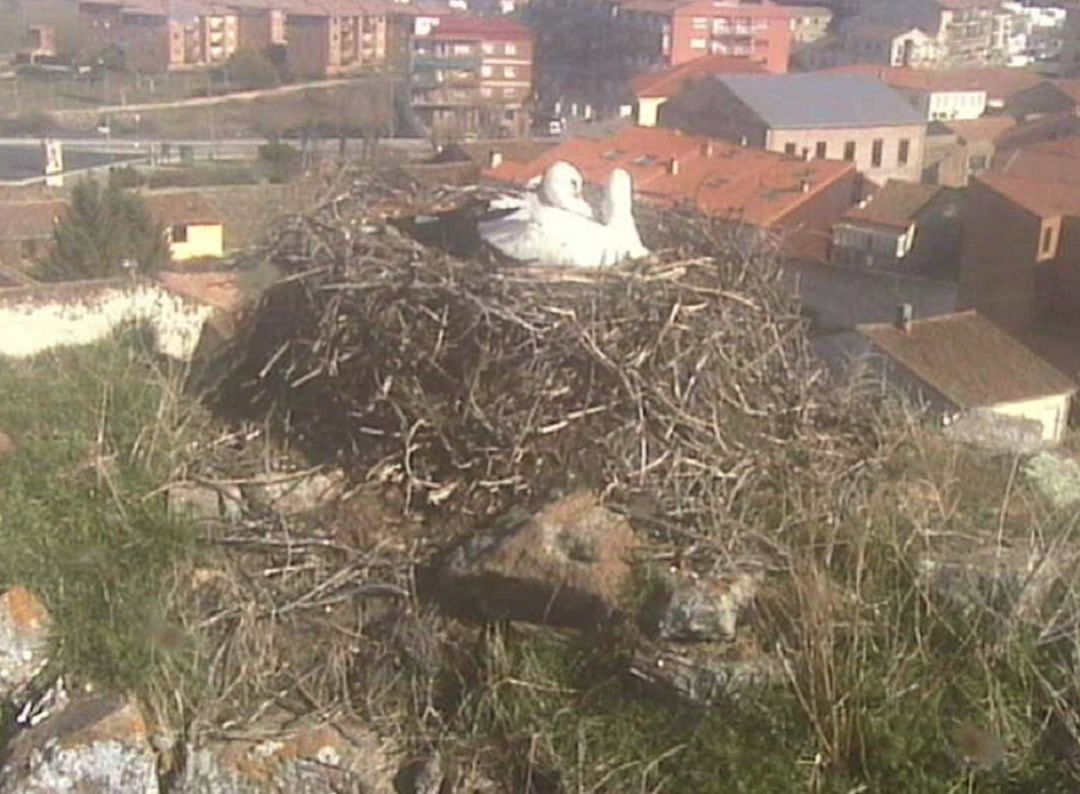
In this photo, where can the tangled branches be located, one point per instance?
(677, 386)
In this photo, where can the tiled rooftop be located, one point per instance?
(895, 205)
(669, 82)
(723, 179)
(969, 360)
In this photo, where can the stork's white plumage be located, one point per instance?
(548, 229)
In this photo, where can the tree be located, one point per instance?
(104, 233)
(280, 161)
(250, 69)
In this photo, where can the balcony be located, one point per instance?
(423, 63)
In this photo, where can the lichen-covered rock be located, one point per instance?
(24, 640)
(706, 672)
(567, 565)
(206, 501)
(94, 746)
(312, 759)
(696, 609)
(1056, 476)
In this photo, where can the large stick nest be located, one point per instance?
(681, 384)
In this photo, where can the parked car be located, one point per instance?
(549, 125)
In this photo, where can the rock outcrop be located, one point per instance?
(567, 565)
(24, 639)
(96, 745)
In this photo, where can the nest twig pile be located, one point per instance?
(679, 385)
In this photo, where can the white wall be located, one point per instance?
(1051, 412)
(35, 319)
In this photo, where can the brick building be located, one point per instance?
(818, 115)
(673, 32)
(1021, 259)
(796, 200)
(473, 75)
(964, 30)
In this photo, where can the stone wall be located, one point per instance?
(36, 319)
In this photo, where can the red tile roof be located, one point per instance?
(999, 82)
(895, 205)
(1044, 199)
(479, 29)
(669, 82)
(29, 220)
(969, 360)
(720, 178)
(1048, 162)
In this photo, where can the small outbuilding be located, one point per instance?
(983, 384)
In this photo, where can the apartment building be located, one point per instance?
(473, 75)
(812, 116)
(1070, 42)
(795, 201)
(672, 32)
(964, 30)
(161, 35)
(327, 38)
(809, 23)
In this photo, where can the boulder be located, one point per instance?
(704, 608)
(206, 501)
(306, 759)
(24, 640)
(95, 745)
(568, 565)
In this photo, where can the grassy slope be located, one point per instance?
(881, 676)
(93, 427)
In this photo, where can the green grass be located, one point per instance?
(96, 429)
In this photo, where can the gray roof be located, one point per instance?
(822, 99)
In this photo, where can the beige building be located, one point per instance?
(820, 115)
(974, 378)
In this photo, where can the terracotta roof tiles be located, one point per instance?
(669, 82)
(722, 179)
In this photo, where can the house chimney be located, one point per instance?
(805, 185)
(707, 149)
(495, 159)
(743, 141)
(805, 153)
(673, 166)
(903, 317)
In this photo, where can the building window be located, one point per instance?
(178, 233)
(904, 152)
(821, 151)
(488, 48)
(701, 23)
(977, 164)
(789, 149)
(849, 150)
(510, 49)
(462, 49)
(876, 152)
(509, 72)
(486, 71)
(486, 91)
(697, 44)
